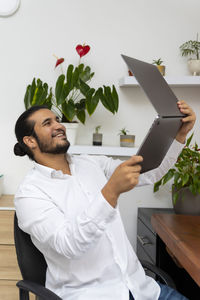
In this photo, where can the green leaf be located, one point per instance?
(109, 99)
(157, 185)
(193, 189)
(48, 100)
(176, 177)
(40, 96)
(115, 98)
(68, 109)
(59, 90)
(66, 90)
(185, 178)
(168, 176)
(189, 140)
(81, 115)
(175, 197)
(34, 97)
(30, 91)
(80, 68)
(108, 96)
(37, 94)
(69, 76)
(75, 78)
(91, 101)
(81, 104)
(103, 99)
(86, 74)
(84, 88)
(27, 97)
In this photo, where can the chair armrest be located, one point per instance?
(160, 273)
(37, 289)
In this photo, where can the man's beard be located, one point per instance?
(58, 149)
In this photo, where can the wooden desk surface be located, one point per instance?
(7, 201)
(181, 234)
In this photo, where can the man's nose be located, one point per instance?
(58, 125)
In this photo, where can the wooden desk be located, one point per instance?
(9, 270)
(181, 234)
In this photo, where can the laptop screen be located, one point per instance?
(155, 87)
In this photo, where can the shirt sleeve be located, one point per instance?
(107, 164)
(153, 176)
(48, 225)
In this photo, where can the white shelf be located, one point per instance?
(174, 81)
(103, 150)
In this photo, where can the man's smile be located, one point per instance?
(59, 134)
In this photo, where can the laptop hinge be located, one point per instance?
(167, 117)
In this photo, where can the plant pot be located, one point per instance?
(130, 73)
(71, 132)
(194, 66)
(161, 69)
(97, 139)
(187, 203)
(127, 140)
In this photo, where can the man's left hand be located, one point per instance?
(187, 122)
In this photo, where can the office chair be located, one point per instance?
(33, 268)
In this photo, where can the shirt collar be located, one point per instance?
(52, 173)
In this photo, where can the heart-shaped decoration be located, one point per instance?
(82, 49)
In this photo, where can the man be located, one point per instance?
(68, 205)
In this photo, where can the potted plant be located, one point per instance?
(72, 96)
(158, 63)
(126, 140)
(186, 183)
(97, 137)
(192, 49)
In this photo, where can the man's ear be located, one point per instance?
(30, 142)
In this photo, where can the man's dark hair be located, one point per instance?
(25, 127)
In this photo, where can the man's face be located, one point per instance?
(49, 133)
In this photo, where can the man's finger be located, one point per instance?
(135, 159)
(136, 169)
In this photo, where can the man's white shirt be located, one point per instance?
(80, 234)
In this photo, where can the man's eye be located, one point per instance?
(47, 123)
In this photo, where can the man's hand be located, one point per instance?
(124, 178)
(187, 122)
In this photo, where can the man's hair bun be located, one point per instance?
(19, 150)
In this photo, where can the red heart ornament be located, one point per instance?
(59, 61)
(82, 50)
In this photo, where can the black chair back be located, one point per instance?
(30, 260)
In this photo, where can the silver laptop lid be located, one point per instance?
(154, 86)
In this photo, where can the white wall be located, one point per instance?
(143, 29)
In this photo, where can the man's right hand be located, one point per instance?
(124, 178)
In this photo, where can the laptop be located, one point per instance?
(168, 120)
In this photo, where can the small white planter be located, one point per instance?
(71, 132)
(194, 66)
(127, 140)
(97, 139)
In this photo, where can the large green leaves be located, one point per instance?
(73, 95)
(109, 98)
(186, 172)
(68, 109)
(92, 100)
(60, 90)
(85, 74)
(80, 110)
(37, 93)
